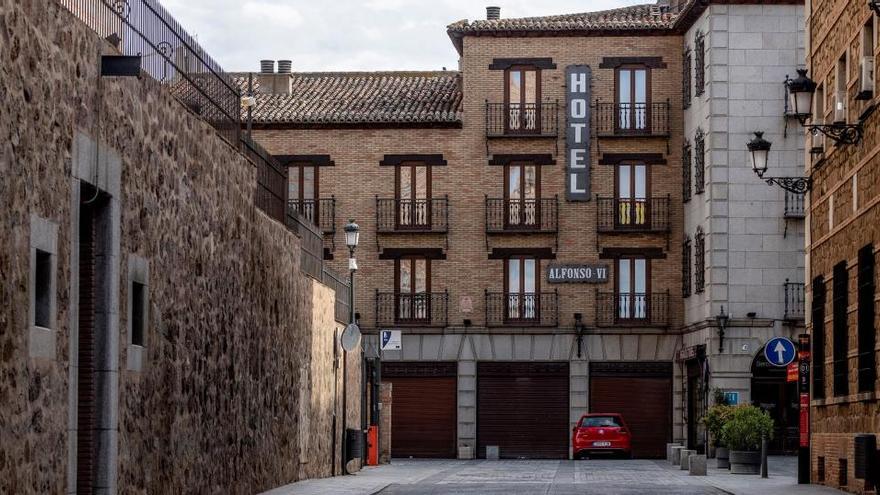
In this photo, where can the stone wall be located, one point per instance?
(238, 344)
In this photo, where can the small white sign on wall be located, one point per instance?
(390, 340)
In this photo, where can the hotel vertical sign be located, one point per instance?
(577, 132)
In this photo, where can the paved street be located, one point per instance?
(606, 477)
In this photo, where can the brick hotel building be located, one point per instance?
(530, 221)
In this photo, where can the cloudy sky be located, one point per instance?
(334, 35)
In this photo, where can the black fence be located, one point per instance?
(522, 215)
(516, 119)
(312, 262)
(321, 212)
(343, 295)
(429, 309)
(637, 119)
(169, 55)
(638, 215)
(271, 192)
(416, 215)
(632, 309)
(794, 205)
(522, 308)
(794, 300)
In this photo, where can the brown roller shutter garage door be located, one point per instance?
(423, 408)
(523, 409)
(642, 392)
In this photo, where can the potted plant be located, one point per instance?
(714, 420)
(742, 433)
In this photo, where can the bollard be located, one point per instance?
(697, 465)
(676, 455)
(764, 445)
(685, 459)
(669, 450)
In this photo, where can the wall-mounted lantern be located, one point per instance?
(759, 148)
(801, 90)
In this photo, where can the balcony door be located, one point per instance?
(522, 196)
(632, 289)
(632, 99)
(632, 196)
(413, 302)
(522, 289)
(302, 190)
(522, 97)
(413, 196)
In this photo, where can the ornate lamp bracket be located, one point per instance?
(840, 133)
(796, 185)
(875, 6)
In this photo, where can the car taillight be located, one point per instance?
(624, 431)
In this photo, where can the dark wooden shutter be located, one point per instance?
(424, 407)
(867, 339)
(839, 309)
(523, 408)
(818, 337)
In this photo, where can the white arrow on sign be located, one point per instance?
(780, 352)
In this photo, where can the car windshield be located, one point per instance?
(600, 421)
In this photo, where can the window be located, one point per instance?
(699, 64)
(867, 339)
(522, 286)
(633, 97)
(632, 289)
(841, 336)
(522, 195)
(866, 62)
(686, 171)
(43, 290)
(840, 99)
(817, 141)
(686, 267)
(686, 79)
(632, 190)
(302, 190)
(413, 183)
(522, 95)
(699, 162)
(818, 336)
(601, 422)
(699, 261)
(138, 312)
(413, 274)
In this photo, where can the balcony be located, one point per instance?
(522, 215)
(632, 309)
(794, 205)
(536, 309)
(427, 309)
(794, 301)
(633, 215)
(321, 212)
(631, 119)
(518, 120)
(412, 215)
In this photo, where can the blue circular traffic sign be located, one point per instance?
(780, 351)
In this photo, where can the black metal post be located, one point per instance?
(804, 389)
(764, 446)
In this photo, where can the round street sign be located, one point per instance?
(779, 351)
(350, 337)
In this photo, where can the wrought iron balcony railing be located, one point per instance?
(632, 309)
(412, 215)
(633, 215)
(321, 212)
(428, 309)
(631, 119)
(516, 119)
(522, 215)
(794, 205)
(522, 308)
(794, 301)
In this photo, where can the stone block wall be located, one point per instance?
(238, 342)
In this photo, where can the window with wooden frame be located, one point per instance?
(840, 351)
(817, 320)
(413, 195)
(522, 195)
(633, 83)
(867, 333)
(686, 79)
(686, 267)
(866, 62)
(686, 171)
(699, 162)
(522, 287)
(631, 200)
(303, 189)
(699, 261)
(633, 288)
(522, 96)
(412, 276)
(699, 63)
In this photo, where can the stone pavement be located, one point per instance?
(605, 477)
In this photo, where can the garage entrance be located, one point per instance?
(423, 408)
(642, 392)
(523, 408)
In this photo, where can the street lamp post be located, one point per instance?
(352, 236)
(759, 149)
(722, 320)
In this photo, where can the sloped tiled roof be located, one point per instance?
(361, 98)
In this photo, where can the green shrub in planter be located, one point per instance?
(715, 419)
(744, 428)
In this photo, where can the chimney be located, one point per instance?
(493, 13)
(267, 66)
(272, 83)
(284, 66)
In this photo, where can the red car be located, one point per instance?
(601, 433)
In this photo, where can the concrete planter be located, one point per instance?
(722, 458)
(745, 462)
